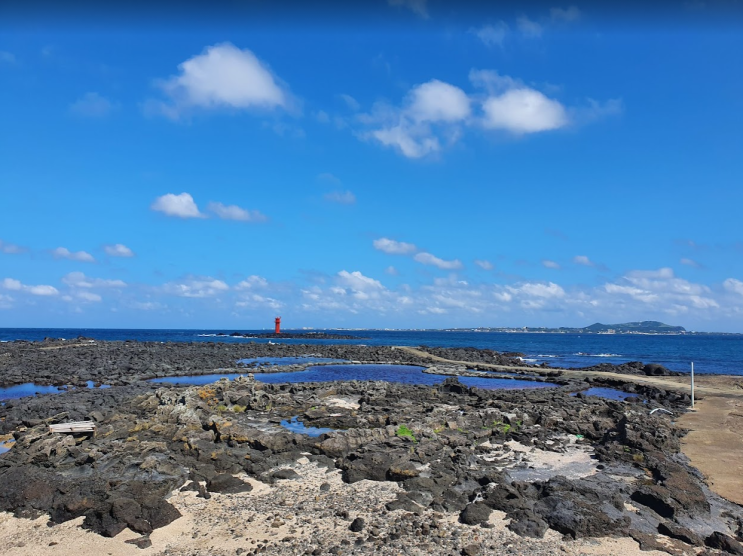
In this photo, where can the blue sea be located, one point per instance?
(722, 354)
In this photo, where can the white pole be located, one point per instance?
(692, 385)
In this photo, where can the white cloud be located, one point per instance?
(523, 110)
(492, 35)
(538, 289)
(79, 280)
(16, 285)
(341, 197)
(233, 212)
(182, 206)
(196, 287)
(569, 14)
(393, 247)
(256, 300)
(223, 76)
(251, 282)
(529, 28)
(403, 138)
(118, 250)
(89, 296)
(358, 282)
(391, 270)
(12, 284)
(663, 291)
(437, 101)
(80, 256)
(435, 114)
(416, 6)
(92, 105)
(550, 264)
(733, 285)
(431, 112)
(429, 259)
(7, 57)
(9, 248)
(485, 265)
(583, 260)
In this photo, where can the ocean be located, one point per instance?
(720, 354)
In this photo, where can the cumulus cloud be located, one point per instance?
(233, 212)
(41, 290)
(92, 105)
(437, 101)
(90, 297)
(583, 260)
(391, 270)
(485, 265)
(222, 76)
(429, 259)
(256, 301)
(550, 264)
(80, 256)
(252, 282)
(492, 35)
(196, 287)
(357, 281)
(118, 250)
(663, 290)
(416, 6)
(436, 114)
(182, 206)
(79, 280)
(393, 247)
(523, 110)
(341, 197)
(431, 113)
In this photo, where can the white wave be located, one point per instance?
(581, 354)
(555, 356)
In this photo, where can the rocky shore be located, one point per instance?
(443, 469)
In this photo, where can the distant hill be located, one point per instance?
(646, 326)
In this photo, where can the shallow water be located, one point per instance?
(27, 389)
(289, 360)
(607, 394)
(298, 426)
(404, 374)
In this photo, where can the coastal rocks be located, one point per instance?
(448, 449)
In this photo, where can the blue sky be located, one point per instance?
(397, 164)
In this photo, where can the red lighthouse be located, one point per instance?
(278, 325)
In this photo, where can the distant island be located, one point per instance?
(652, 327)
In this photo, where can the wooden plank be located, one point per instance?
(78, 426)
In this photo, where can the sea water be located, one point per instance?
(710, 353)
